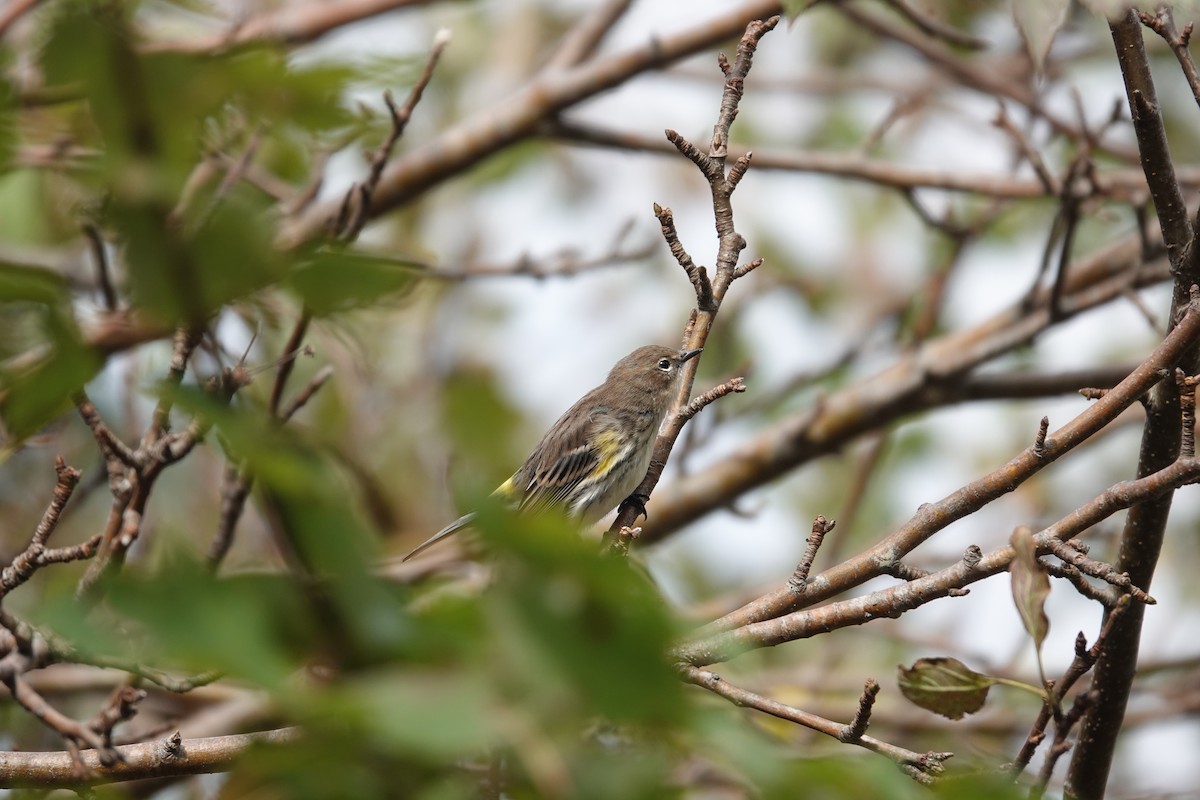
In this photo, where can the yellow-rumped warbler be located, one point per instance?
(597, 453)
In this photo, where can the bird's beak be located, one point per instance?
(689, 354)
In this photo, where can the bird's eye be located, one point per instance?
(664, 364)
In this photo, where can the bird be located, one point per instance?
(598, 451)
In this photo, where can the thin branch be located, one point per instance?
(730, 245)
(581, 41)
(516, 118)
(103, 272)
(1073, 554)
(731, 386)
(116, 453)
(1085, 659)
(697, 274)
(34, 555)
(15, 10)
(923, 767)
(172, 756)
(1162, 22)
(895, 601)
(235, 490)
(820, 527)
(289, 24)
(735, 77)
(293, 345)
(931, 377)
(400, 115)
(75, 733)
(1050, 183)
(181, 352)
(936, 28)
(304, 395)
(1115, 184)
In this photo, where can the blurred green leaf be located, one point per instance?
(434, 714)
(982, 784)
(744, 755)
(183, 617)
(23, 217)
(335, 762)
(8, 108)
(19, 282)
(566, 613)
(31, 398)
(279, 456)
(152, 111)
(482, 425)
(332, 280)
(150, 107)
(35, 390)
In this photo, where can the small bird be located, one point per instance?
(597, 452)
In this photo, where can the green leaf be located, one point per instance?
(335, 280)
(183, 276)
(8, 112)
(22, 283)
(481, 423)
(573, 627)
(252, 626)
(944, 686)
(431, 713)
(37, 389)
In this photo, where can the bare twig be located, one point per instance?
(172, 756)
(286, 365)
(1162, 22)
(895, 601)
(697, 274)
(581, 41)
(1072, 553)
(290, 24)
(304, 395)
(697, 404)
(709, 294)
(936, 28)
(34, 555)
(799, 579)
(519, 117)
(862, 718)
(15, 10)
(103, 272)
(400, 115)
(923, 767)
(1085, 659)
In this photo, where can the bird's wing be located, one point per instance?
(568, 455)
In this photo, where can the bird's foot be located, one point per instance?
(636, 502)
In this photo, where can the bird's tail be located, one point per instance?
(453, 527)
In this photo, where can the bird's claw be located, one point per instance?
(638, 503)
